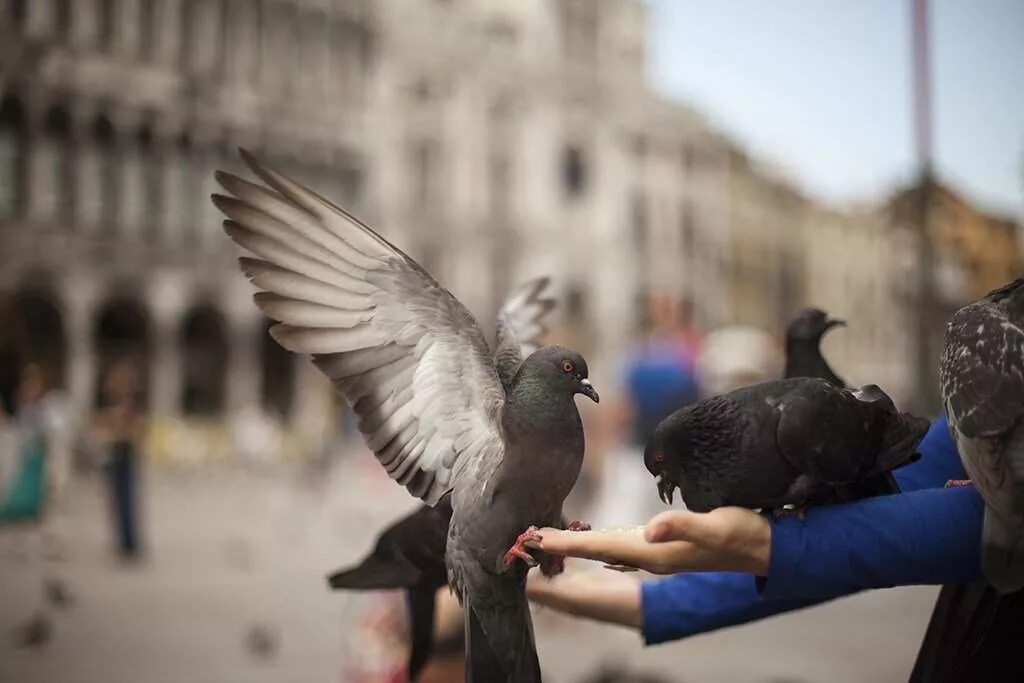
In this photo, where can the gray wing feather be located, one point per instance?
(521, 326)
(408, 356)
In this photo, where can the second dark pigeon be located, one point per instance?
(803, 346)
(788, 442)
(804, 359)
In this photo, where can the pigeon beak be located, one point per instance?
(666, 488)
(834, 322)
(589, 391)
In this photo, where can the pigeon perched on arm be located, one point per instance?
(982, 382)
(803, 346)
(804, 359)
(410, 553)
(787, 442)
(414, 365)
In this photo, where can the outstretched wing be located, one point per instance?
(982, 371)
(521, 326)
(405, 353)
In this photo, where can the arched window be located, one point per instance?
(205, 355)
(574, 171)
(12, 157)
(277, 389)
(122, 333)
(53, 174)
(40, 331)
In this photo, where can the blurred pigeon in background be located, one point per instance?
(765, 447)
(410, 554)
(804, 359)
(57, 593)
(34, 633)
(415, 367)
(803, 346)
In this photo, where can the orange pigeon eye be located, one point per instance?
(659, 457)
(567, 366)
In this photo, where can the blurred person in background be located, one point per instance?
(660, 378)
(117, 431)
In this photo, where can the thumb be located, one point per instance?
(674, 526)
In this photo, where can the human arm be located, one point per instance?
(605, 596)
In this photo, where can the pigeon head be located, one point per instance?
(810, 324)
(562, 368)
(661, 462)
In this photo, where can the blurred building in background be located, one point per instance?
(493, 140)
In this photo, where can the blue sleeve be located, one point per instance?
(688, 604)
(939, 461)
(930, 536)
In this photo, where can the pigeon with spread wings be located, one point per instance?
(430, 403)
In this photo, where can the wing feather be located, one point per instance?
(521, 326)
(408, 356)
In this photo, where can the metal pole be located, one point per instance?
(926, 351)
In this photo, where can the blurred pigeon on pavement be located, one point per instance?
(34, 633)
(261, 641)
(787, 442)
(415, 367)
(57, 593)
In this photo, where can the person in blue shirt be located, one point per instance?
(739, 566)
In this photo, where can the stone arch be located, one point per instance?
(122, 333)
(277, 365)
(13, 155)
(39, 330)
(204, 342)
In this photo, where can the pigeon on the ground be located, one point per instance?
(982, 383)
(34, 633)
(261, 641)
(787, 442)
(409, 554)
(803, 345)
(505, 449)
(804, 359)
(57, 593)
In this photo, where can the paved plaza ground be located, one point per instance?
(231, 549)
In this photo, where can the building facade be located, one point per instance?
(494, 140)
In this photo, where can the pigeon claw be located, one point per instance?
(577, 525)
(958, 483)
(518, 550)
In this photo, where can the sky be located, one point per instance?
(821, 89)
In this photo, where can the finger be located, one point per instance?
(551, 540)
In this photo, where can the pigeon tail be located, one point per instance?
(499, 642)
(421, 628)
(1002, 552)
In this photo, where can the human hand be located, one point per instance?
(725, 539)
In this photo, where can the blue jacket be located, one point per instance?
(927, 534)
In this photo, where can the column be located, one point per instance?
(244, 371)
(166, 304)
(79, 296)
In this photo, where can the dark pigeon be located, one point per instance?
(35, 633)
(976, 630)
(804, 359)
(410, 554)
(58, 594)
(787, 442)
(803, 346)
(417, 372)
(982, 381)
